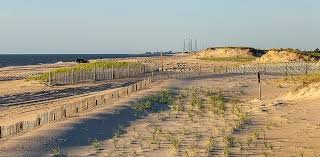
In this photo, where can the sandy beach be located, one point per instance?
(73, 136)
(159, 78)
(277, 125)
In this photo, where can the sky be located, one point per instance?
(137, 26)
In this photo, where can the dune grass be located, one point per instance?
(307, 79)
(147, 103)
(301, 80)
(44, 77)
(315, 54)
(233, 47)
(230, 59)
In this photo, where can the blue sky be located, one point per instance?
(129, 26)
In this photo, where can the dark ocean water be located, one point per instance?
(34, 59)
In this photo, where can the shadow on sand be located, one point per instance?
(37, 97)
(102, 126)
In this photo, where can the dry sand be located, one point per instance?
(275, 120)
(12, 78)
(226, 52)
(284, 55)
(283, 123)
(21, 72)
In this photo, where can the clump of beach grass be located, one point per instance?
(96, 144)
(228, 140)
(118, 131)
(156, 136)
(301, 80)
(145, 104)
(175, 143)
(217, 104)
(56, 152)
(209, 145)
(226, 151)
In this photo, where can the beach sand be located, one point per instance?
(73, 136)
(280, 124)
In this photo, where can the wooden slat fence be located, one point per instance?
(98, 74)
(86, 104)
(89, 103)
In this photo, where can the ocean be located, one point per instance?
(36, 59)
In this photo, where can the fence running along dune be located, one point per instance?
(289, 68)
(95, 72)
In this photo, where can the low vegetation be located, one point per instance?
(230, 59)
(56, 152)
(186, 128)
(96, 144)
(175, 143)
(285, 49)
(210, 145)
(147, 103)
(304, 79)
(233, 47)
(315, 54)
(217, 104)
(83, 67)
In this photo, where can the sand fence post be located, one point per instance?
(306, 68)
(112, 72)
(226, 68)
(65, 77)
(286, 69)
(49, 79)
(72, 75)
(128, 70)
(94, 72)
(259, 82)
(199, 69)
(54, 76)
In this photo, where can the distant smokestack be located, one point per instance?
(184, 45)
(196, 45)
(191, 43)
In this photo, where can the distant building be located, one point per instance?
(159, 53)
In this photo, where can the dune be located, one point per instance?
(226, 52)
(284, 55)
(311, 91)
